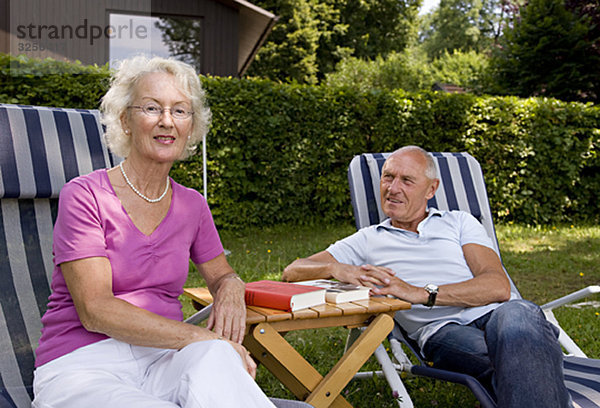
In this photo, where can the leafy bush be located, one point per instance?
(411, 71)
(466, 69)
(278, 153)
(406, 70)
(51, 83)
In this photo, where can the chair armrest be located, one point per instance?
(566, 342)
(202, 301)
(199, 316)
(590, 290)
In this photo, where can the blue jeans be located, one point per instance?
(513, 351)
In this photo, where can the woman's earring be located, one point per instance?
(126, 131)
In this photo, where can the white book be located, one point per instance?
(339, 292)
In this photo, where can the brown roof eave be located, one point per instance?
(254, 28)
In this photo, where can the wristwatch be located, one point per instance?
(433, 291)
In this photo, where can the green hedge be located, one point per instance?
(51, 83)
(278, 153)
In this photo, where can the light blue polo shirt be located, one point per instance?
(434, 255)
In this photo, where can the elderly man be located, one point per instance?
(443, 263)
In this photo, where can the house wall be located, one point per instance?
(89, 45)
(4, 26)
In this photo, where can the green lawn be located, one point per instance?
(544, 262)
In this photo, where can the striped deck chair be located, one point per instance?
(462, 187)
(40, 150)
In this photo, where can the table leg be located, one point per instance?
(360, 351)
(279, 357)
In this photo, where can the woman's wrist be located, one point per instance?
(232, 276)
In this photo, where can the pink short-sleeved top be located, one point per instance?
(147, 271)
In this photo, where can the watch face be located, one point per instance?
(431, 288)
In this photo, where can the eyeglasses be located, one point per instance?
(154, 110)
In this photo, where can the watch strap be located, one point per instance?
(433, 291)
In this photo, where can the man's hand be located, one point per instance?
(321, 265)
(383, 281)
(347, 273)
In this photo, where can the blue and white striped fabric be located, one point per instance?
(40, 149)
(462, 187)
(582, 376)
(45, 147)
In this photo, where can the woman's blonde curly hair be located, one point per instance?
(121, 92)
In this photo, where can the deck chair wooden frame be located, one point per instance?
(462, 187)
(41, 149)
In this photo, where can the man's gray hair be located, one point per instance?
(430, 169)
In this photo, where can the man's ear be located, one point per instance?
(435, 183)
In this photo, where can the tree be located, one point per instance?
(589, 9)
(378, 27)
(312, 36)
(366, 29)
(290, 50)
(551, 51)
(183, 36)
(465, 25)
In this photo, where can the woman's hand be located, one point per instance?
(228, 316)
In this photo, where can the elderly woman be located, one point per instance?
(113, 334)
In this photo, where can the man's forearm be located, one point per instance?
(307, 269)
(479, 291)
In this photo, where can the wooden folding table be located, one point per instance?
(269, 347)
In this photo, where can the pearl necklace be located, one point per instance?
(135, 190)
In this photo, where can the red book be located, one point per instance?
(283, 295)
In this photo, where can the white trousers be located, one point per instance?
(113, 374)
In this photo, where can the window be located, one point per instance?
(163, 36)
